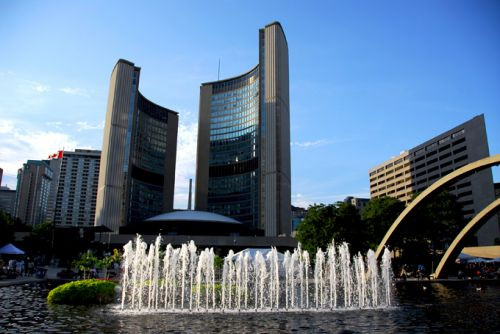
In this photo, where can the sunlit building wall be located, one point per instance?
(243, 157)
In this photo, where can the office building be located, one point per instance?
(72, 199)
(137, 168)
(32, 193)
(7, 200)
(414, 170)
(243, 154)
(357, 202)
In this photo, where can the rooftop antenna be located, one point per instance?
(189, 199)
(218, 71)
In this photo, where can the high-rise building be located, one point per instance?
(137, 168)
(72, 199)
(243, 158)
(1, 175)
(32, 195)
(7, 200)
(414, 170)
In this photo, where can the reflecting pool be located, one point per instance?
(428, 307)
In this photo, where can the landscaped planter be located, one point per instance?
(84, 292)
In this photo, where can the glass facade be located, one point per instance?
(233, 186)
(147, 160)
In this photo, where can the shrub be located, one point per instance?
(84, 292)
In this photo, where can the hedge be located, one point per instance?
(84, 292)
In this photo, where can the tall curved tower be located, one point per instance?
(243, 158)
(136, 179)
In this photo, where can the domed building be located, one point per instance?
(188, 222)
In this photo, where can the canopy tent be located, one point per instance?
(487, 252)
(11, 250)
(252, 252)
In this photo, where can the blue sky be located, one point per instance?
(368, 79)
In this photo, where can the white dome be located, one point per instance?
(193, 215)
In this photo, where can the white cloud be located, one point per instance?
(18, 144)
(305, 200)
(310, 144)
(186, 162)
(82, 126)
(40, 88)
(74, 91)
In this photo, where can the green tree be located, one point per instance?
(86, 262)
(324, 223)
(430, 228)
(378, 216)
(41, 238)
(6, 228)
(107, 262)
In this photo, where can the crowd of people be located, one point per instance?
(18, 267)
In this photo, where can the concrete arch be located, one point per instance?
(455, 247)
(444, 181)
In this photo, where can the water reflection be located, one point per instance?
(439, 308)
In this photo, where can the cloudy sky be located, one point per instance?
(367, 79)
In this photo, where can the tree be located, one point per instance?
(324, 223)
(7, 228)
(41, 238)
(430, 228)
(378, 216)
(108, 261)
(85, 263)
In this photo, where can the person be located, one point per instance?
(31, 267)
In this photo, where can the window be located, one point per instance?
(463, 157)
(456, 142)
(445, 147)
(458, 133)
(461, 149)
(444, 140)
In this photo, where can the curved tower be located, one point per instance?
(243, 158)
(136, 179)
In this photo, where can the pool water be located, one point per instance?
(461, 307)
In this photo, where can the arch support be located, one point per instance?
(455, 247)
(442, 182)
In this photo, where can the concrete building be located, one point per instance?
(414, 170)
(7, 200)
(243, 154)
(137, 168)
(72, 199)
(32, 195)
(357, 202)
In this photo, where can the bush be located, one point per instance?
(84, 292)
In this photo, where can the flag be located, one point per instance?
(57, 155)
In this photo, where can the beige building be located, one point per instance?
(137, 167)
(32, 193)
(243, 158)
(414, 170)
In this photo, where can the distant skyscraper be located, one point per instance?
(74, 188)
(7, 200)
(1, 174)
(414, 170)
(137, 169)
(32, 195)
(243, 158)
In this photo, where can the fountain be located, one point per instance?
(183, 279)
